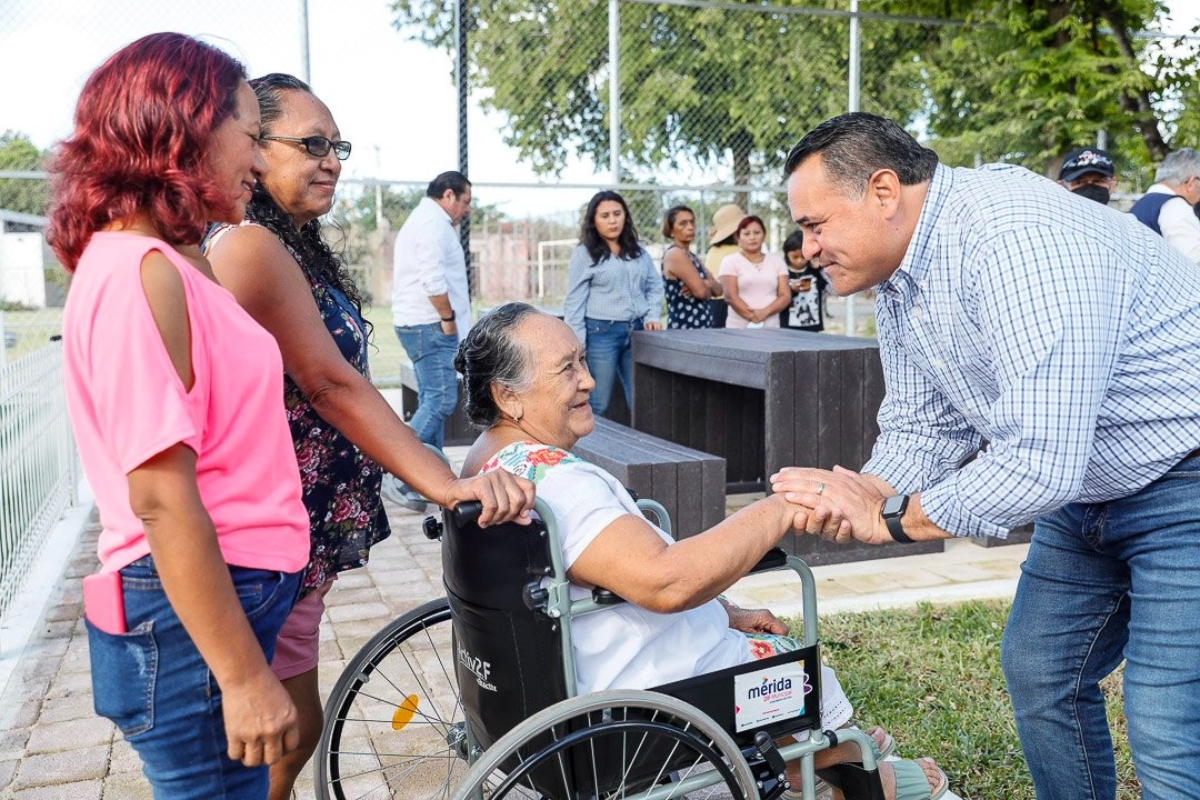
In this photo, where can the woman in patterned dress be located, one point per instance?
(687, 283)
(280, 269)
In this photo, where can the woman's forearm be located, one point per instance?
(350, 403)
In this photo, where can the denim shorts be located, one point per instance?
(153, 684)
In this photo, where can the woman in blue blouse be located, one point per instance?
(613, 289)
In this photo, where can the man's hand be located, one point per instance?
(652, 326)
(261, 724)
(504, 496)
(843, 506)
(450, 327)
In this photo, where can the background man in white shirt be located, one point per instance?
(1178, 177)
(431, 306)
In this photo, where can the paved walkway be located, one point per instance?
(53, 747)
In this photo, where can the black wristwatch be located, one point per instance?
(449, 318)
(893, 509)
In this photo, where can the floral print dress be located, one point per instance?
(340, 485)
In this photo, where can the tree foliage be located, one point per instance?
(1019, 81)
(1027, 81)
(19, 154)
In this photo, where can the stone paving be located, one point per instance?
(53, 747)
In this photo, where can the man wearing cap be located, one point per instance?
(1161, 209)
(1068, 338)
(1089, 172)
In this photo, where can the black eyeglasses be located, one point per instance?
(317, 146)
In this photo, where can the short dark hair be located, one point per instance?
(854, 146)
(454, 181)
(491, 356)
(794, 242)
(669, 219)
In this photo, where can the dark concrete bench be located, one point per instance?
(690, 484)
(767, 399)
(457, 430)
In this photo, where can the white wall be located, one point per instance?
(22, 279)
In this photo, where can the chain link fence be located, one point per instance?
(670, 101)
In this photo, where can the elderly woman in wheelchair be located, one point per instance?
(527, 385)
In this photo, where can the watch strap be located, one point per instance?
(896, 529)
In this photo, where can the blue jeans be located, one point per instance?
(154, 685)
(609, 355)
(432, 355)
(1102, 583)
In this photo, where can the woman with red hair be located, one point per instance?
(174, 396)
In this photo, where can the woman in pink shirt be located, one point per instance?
(755, 282)
(174, 396)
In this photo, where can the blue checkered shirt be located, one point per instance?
(1065, 333)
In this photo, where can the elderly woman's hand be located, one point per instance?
(505, 497)
(754, 620)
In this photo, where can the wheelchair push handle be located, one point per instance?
(466, 513)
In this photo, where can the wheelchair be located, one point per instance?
(472, 696)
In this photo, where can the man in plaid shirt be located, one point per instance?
(1065, 336)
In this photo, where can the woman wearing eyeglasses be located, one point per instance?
(281, 270)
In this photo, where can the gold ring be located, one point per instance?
(820, 488)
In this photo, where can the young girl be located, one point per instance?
(807, 284)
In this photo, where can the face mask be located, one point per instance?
(1094, 191)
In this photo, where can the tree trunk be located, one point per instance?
(1136, 104)
(742, 145)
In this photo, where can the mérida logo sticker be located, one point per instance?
(770, 695)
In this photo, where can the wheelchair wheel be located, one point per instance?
(613, 744)
(394, 723)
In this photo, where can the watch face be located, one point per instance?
(894, 506)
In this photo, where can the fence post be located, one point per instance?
(853, 105)
(461, 27)
(614, 89)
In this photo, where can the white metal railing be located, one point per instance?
(38, 472)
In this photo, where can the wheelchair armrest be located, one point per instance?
(603, 597)
(775, 558)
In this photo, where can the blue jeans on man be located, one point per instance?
(432, 355)
(1105, 582)
(610, 356)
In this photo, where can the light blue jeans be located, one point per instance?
(1102, 583)
(153, 683)
(609, 356)
(432, 355)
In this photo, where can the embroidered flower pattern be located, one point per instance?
(530, 460)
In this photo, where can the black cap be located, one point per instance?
(1082, 160)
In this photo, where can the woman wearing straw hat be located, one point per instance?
(722, 240)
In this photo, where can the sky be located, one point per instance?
(392, 98)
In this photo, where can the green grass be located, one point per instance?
(931, 676)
